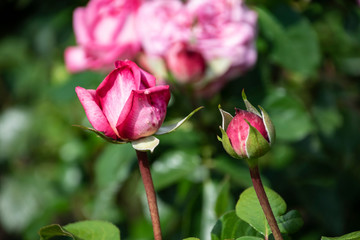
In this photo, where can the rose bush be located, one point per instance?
(127, 105)
(105, 31)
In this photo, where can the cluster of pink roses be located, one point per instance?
(197, 40)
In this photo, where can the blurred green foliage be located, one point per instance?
(307, 78)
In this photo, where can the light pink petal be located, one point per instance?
(75, 59)
(93, 111)
(144, 113)
(115, 90)
(80, 26)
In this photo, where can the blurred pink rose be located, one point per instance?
(222, 32)
(224, 29)
(127, 105)
(162, 23)
(105, 32)
(186, 64)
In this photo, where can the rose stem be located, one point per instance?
(264, 202)
(150, 192)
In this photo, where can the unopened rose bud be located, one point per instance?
(249, 134)
(187, 65)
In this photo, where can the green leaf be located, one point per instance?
(289, 115)
(173, 166)
(191, 238)
(208, 216)
(223, 199)
(235, 169)
(295, 46)
(230, 226)
(145, 144)
(290, 222)
(94, 230)
(112, 168)
(54, 230)
(349, 236)
(173, 127)
(84, 230)
(248, 209)
(328, 118)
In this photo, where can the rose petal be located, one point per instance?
(80, 26)
(75, 59)
(93, 111)
(115, 90)
(144, 113)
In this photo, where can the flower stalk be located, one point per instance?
(150, 192)
(264, 202)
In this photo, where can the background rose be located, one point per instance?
(185, 63)
(127, 105)
(162, 23)
(224, 29)
(222, 32)
(105, 31)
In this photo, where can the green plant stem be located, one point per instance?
(264, 202)
(150, 193)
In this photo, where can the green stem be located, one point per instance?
(264, 202)
(150, 193)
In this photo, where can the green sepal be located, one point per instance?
(172, 127)
(270, 129)
(225, 117)
(256, 145)
(227, 145)
(249, 106)
(145, 144)
(101, 134)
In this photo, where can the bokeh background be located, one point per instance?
(306, 76)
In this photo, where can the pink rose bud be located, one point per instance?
(185, 64)
(127, 105)
(105, 31)
(249, 134)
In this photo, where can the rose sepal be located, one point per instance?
(225, 117)
(248, 105)
(270, 129)
(172, 127)
(227, 145)
(145, 144)
(256, 145)
(101, 134)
